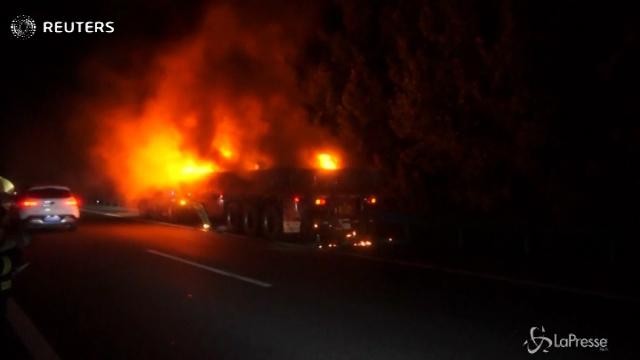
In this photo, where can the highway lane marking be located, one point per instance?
(498, 278)
(211, 269)
(480, 275)
(31, 338)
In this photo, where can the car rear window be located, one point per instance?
(49, 193)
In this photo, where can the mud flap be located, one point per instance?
(291, 226)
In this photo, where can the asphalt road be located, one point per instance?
(125, 289)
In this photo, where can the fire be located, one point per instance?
(225, 98)
(226, 153)
(327, 161)
(160, 159)
(196, 171)
(145, 153)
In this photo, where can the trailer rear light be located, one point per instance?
(28, 203)
(72, 201)
(320, 201)
(371, 200)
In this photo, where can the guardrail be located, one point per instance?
(111, 210)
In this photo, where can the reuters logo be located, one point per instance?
(23, 27)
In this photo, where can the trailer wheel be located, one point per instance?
(143, 209)
(251, 220)
(233, 218)
(272, 224)
(168, 214)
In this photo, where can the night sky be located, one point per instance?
(44, 76)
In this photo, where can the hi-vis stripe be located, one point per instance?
(5, 285)
(6, 266)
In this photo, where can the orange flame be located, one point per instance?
(327, 161)
(148, 154)
(224, 98)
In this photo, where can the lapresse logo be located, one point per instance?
(539, 342)
(25, 27)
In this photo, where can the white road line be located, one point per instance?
(461, 272)
(498, 278)
(31, 338)
(211, 269)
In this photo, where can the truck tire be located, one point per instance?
(168, 214)
(143, 209)
(272, 224)
(233, 217)
(251, 220)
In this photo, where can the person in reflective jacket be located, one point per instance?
(12, 240)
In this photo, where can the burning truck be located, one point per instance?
(326, 205)
(220, 120)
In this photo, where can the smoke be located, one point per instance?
(224, 97)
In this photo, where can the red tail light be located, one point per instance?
(371, 200)
(296, 199)
(320, 201)
(28, 203)
(73, 201)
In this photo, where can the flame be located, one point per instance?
(224, 98)
(193, 171)
(327, 161)
(226, 153)
(149, 154)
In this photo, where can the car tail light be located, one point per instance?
(320, 201)
(73, 201)
(296, 199)
(28, 203)
(371, 200)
